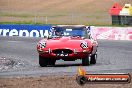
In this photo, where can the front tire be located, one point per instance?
(86, 61)
(42, 61)
(51, 62)
(93, 58)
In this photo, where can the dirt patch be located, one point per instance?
(53, 82)
(7, 64)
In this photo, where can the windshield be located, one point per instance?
(69, 31)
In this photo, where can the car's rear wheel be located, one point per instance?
(93, 58)
(86, 61)
(43, 61)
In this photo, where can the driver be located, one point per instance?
(55, 31)
(89, 32)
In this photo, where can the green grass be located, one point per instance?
(16, 15)
(18, 22)
(58, 24)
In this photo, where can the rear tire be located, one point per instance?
(86, 61)
(42, 61)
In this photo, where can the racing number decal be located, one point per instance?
(84, 45)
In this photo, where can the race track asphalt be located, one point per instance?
(113, 57)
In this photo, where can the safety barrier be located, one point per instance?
(24, 30)
(110, 33)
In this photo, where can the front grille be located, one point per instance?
(67, 51)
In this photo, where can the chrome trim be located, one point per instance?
(90, 55)
(49, 50)
(84, 50)
(75, 52)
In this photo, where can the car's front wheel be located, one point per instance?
(93, 58)
(51, 62)
(43, 61)
(86, 61)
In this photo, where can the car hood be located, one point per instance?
(65, 42)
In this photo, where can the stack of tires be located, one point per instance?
(114, 12)
(121, 15)
(126, 15)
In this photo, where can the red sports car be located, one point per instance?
(67, 42)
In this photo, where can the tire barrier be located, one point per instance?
(121, 15)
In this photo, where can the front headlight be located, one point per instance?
(84, 45)
(42, 44)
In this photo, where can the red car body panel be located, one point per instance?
(71, 44)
